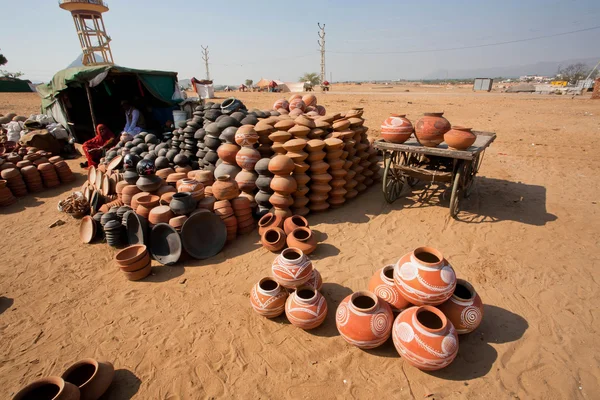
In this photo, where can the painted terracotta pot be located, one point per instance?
(297, 103)
(291, 268)
(225, 188)
(273, 239)
(227, 152)
(396, 128)
(364, 320)
(310, 100)
(424, 277)
(269, 220)
(191, 186)
(268, 298)
(315, 280)
(303, 239)
(247, 158)
(293, 222)
(51, 388)
(281, 103)
(91, 377)
(306, 308)
(430, 129)
(425, 338)
(382, 284)
(459, 138)
(246, 136)
(464, 309)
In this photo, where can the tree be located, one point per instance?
(311, 77)
(249, 82)
(3, 59)
(574, 72)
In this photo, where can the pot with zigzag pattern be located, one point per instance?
(306, 308)
(291, 268)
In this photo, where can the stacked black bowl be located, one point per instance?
(113, 231)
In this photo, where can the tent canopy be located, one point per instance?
(265, 82)
(65, 97)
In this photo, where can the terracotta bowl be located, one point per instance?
(165, 244)
(139, 274)
(160, 214)
(149, 201)
(87, 229)
(131, 254)
(177, 222)
(137, 265)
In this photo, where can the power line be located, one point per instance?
(205, 58)
(470, 47)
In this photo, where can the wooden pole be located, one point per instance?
(89, 96)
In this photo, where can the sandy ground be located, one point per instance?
(527, 240)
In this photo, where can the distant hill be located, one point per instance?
(78, 62)
(545, 68)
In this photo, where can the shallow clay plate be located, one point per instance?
(87, 229)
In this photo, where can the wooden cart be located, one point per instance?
(409, 163)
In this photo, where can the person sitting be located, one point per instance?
(95, 147)
(135, 122)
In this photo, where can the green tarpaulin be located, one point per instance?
(160, 83)
(13, 85)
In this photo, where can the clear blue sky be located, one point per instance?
(278, 40)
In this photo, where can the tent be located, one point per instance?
(81, 97)
(204, 88)
(264, 83)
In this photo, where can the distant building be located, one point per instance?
(534, 78)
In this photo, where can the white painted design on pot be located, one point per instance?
(404, 332)
(449, 345)
(386, 293)
(380, 324)
(447, 274)
(470, 317)
(342, 315)
(409, 271)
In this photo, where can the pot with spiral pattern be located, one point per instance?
(306, 308)
(383, 286)
(464, 309)
(364, 320)
(268, 298)
(291, 268)
(425, 338)
(424, 277)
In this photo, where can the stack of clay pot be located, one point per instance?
(134, 261)
(336, 159)
(292, 271)
(295, 151)
(243, 213)
(319, 178)
(247, 157)
(225, 189)
(433, 308)
(6, 196)
(264, 128)
(227, 152)
(14, 181)
(224, 210)
(302, 104)
(263, 183)
(276, 233)
(282, 184)
(64, 172)
(32, 178)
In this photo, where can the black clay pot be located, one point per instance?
(149, 183)
(262, 167)
(130, 176)
(161, 162)
(227, 122)
(211, 157)
(151, 138)
(212, 142)
(263, 182)
(231, 105)
(171, 155)
(250, 120)
(228, 134)
(181, 160)
(182, 203)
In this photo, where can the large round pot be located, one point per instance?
(306, 308)
(292, 268)
(273, 239)
(460, 138)
(51, 388)
(424, 277)
(203, 234)
(91, 377)
(464, 309)
(425, 338)
(382, 284)
(268, 298)
(225, 188)
(396, 128)
(303, 239)
(247, 158)
(227, 169)
(281, 103)
(246, 180)
(269, 220)
(364, 320)
(165, 244)
(430, 129)
(284, 184)
(246, 136)
(281, 165)
(182, 203)
(315, 280)
(227, 152)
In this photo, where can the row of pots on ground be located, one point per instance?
(434, 307)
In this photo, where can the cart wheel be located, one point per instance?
(470, 175)
(409, 159)
(456, 191)
(392, 179)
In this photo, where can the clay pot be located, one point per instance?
(91, 377)
(225, 188)
(137, 228)
(247, 158)
(134, 199)
(281, 165)
(203, 234)
(268, 298)
(138, 274)
(284, 185)
(267, 221)
(310, 100)
(51, 388)
(192, 186)
(246, 136)
(165, 244)
(205, 177)
(297, 103)
(396, 128)
(207, 203)
(246, 180)
(464, 309)
(291, 268)
(227, 152)
(87, 229)
(430, 129)
(306, 308)
(459, 138)
(160, 214)
(166, 198)
(295, 221)
(281, 103)
(315, 280)
(383, 286)
(424, 277)
(364, 320)
(273, 239)
(182, 203)
(131, 254)
(303, 239)
(425, 338)
(177, 222)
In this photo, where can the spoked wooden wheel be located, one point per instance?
(392, 178)
(457, 189)
(470, 174)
